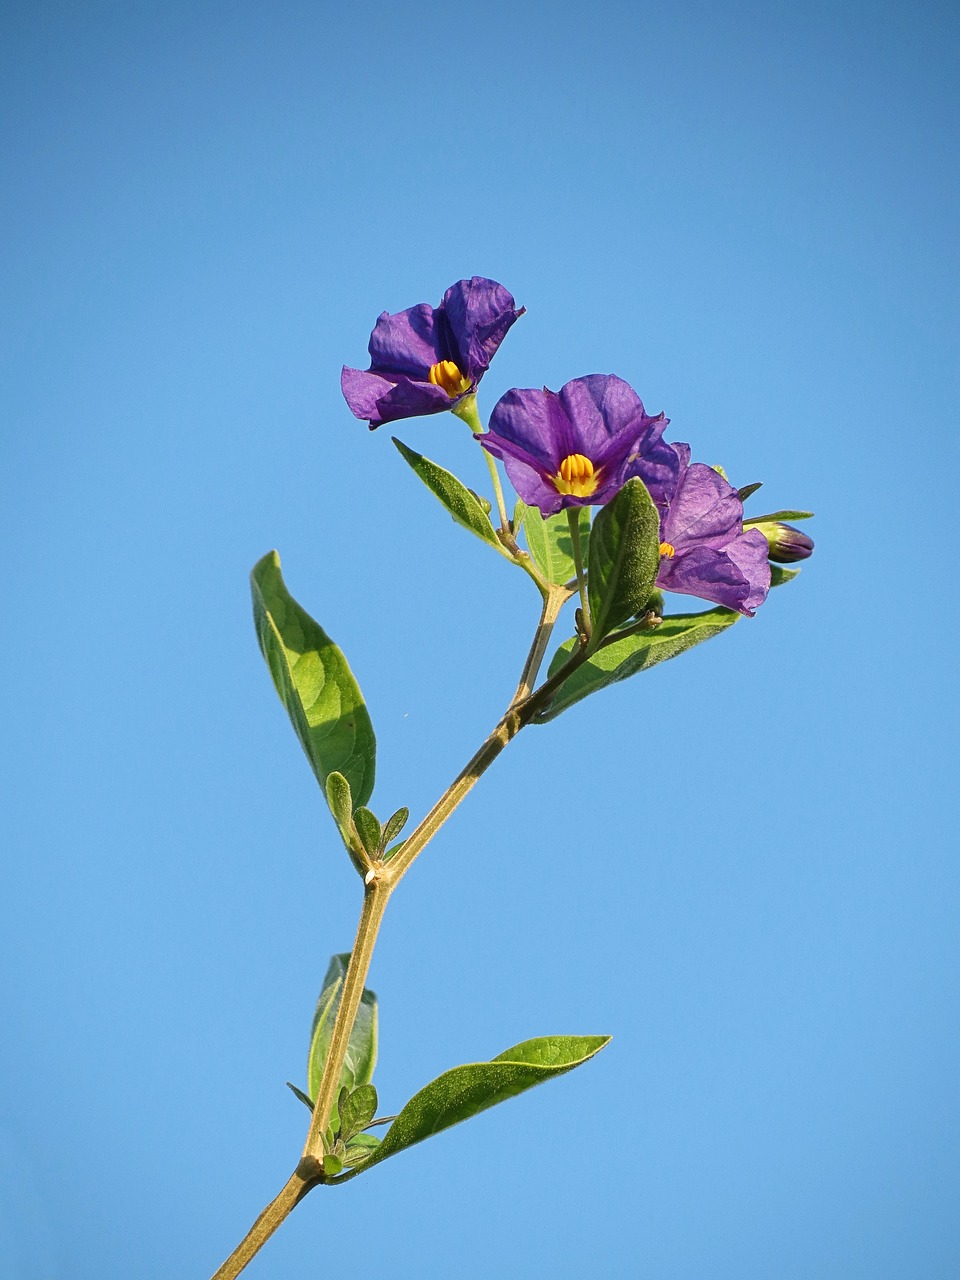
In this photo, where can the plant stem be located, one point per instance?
(573, 519)
(467, 411)
(379, 885)
(554, 598)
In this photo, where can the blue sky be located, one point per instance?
(742, 864)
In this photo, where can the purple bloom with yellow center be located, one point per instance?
(578, 447)
(424, 360)
(704, 550)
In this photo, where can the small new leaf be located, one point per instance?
(465, 1091)
(463, 505)
(357, 1110)
(393, 826)
(369, 827)
(315, 684)
(624, 558)
(779, 574)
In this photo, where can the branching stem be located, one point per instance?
(381, 882)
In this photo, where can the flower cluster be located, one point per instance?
(575, 447)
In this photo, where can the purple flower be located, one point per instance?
(579, 447)
(704, 550)
(425, 359)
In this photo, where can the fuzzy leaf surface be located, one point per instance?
(465, 1091)
(461, 502)
(362, 1050)
(638, 652)
(624, 558)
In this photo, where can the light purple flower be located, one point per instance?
(578, 447)
(704, 550)
(424, 360)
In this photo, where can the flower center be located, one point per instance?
(446, 375)
(576, 476)
(668, 549)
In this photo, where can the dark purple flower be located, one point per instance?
(578, 447)
(425, 359)
(704, 551)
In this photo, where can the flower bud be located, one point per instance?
(785, 543)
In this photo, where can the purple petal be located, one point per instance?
(532, 421)
(749, 553)
(708, 573)
(601, 406)
(479, 313)
(705, 510)
(659, 468)
(380, 400)
(406, 343)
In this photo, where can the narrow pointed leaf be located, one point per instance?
(623, 658)
(360, 1149)
(315, 684)
(362, 1050)
(624, 558)
(778, 515)
(465, 1091)
(779, 574)
(307, 1102)
(748, 489)
(549, 540)
(462, 504)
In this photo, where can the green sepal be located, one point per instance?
(463, 505)
(779, 574)
(748, 489)
(361, 1056)
(624, 558)
(778, 515)
(357, 1110)
(368, 825)
(393, 826)
(549, 541)
(315, 684)
(465, 1091)
(638, 652)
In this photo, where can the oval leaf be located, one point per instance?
(394, 825)
(624, 558)
(549, 540)
(637, 652)
(465, 1091)
(368, 826)
(362, 1050)
(315, 684)
(462, 504)
(357, 1110)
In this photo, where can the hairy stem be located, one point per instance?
(573, 518)
(380, 882)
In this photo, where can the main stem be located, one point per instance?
(379, 885)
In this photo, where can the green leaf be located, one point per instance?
(463, 505)
(394, 825)
(549, 540)
(315, 684)
(624, 558)
(362, 1050)
(369, 827)
(637, 652)
(307, 1102)
(357, 1110)
(748, 489)
(360, 1149)
(778, 515)
(779, 575)
(465, 1091)
(332, 1165)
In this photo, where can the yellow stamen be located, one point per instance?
(668, 549)
(446, 375)
(577, 476)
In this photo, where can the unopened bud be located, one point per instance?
(786, 544)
